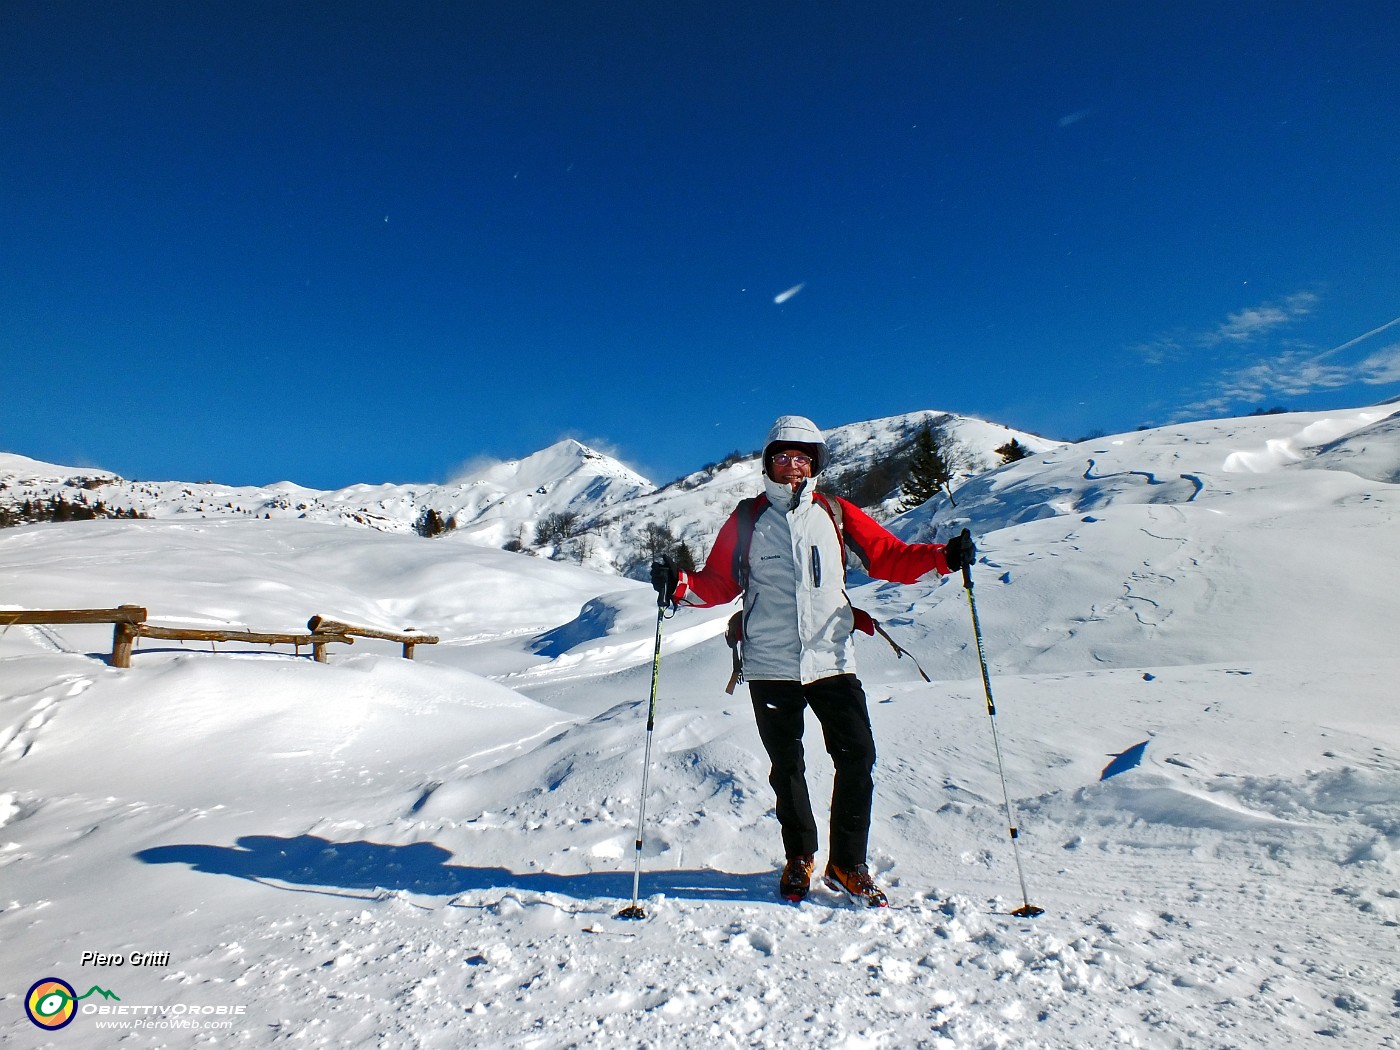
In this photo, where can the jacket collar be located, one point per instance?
(784, 498)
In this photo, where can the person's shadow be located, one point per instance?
(323, 866)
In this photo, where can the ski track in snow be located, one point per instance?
(376, 853)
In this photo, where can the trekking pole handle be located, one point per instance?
(967, 567)
(664, 578)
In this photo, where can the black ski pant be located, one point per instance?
(839, 704)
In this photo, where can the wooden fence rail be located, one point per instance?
(129, 623)
(123, 617)
(122, 614)
(318, 642)
(408, 637)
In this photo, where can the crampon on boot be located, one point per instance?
(857, 884)
(797, 877)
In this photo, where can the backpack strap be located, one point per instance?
(734, 635)
(748, 512)
(834, 512)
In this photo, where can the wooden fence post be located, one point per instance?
(123, 635)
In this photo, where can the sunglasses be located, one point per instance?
(797, 459)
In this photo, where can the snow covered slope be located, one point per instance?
(1205, 541)
(1190, 633)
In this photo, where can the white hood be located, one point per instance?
(797, 430)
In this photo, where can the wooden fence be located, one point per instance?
(318, 642)
(129, 623)
(408, 637)
(124, 617)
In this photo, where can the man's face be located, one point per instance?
(791, 466)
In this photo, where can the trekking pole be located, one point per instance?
(1029, 910)
(634, 910)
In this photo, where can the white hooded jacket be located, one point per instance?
(797, 618)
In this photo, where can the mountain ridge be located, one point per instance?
(603, 507)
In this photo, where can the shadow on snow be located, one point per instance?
(423, 867)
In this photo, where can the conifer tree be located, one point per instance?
(1012, 451)
(929, 472)
(685, 560)
(430, 523)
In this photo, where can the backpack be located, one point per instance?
(748, 513)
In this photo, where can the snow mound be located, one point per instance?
(1371, 452)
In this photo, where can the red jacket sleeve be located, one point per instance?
(715, 583)
(886, 556)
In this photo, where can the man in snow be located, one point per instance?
(784, 551)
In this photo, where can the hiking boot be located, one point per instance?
(797, 877)
(857, 884)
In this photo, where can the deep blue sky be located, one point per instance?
(340, 241)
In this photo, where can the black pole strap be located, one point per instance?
(899, 650)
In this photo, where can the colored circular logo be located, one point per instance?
(51, 1003)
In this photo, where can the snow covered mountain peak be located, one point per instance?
(550, 465)
(491, 505)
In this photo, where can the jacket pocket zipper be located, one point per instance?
(753, 607)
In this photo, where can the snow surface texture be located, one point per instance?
(1191, 635)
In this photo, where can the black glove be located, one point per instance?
(960, 551)
(664, 578)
